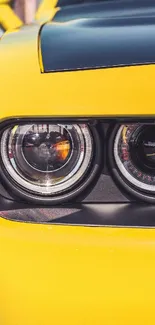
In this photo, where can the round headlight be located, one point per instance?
(134, 154)
(47, 159)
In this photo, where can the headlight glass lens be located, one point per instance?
(134, 153)
(47, 158)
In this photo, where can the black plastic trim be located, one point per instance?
(113, 215)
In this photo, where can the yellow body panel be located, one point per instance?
(103, 92)
(4, 1)
(8, 19)
(46, 10)
(66, 275)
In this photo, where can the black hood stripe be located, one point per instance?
(105, 9)
(93, 43)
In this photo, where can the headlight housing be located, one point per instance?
(47, 160)
(134, 157)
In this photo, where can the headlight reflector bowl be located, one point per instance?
(134, 154)
(47, 159)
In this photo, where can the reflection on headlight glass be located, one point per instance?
(47, 158)
(134, 152)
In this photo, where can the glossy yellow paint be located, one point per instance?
(115, 91)
(67, 275)
(4, 1)
(46, 10)
(8, 19)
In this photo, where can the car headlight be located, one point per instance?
(134, 154)
(47, 159)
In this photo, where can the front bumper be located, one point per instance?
(61, 274)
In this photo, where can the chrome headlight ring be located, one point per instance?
(49, 162)
(132, 159)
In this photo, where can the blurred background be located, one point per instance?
(15, 13)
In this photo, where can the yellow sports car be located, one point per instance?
(77, 167)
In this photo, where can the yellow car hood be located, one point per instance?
(100, 92)
(65, 275)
